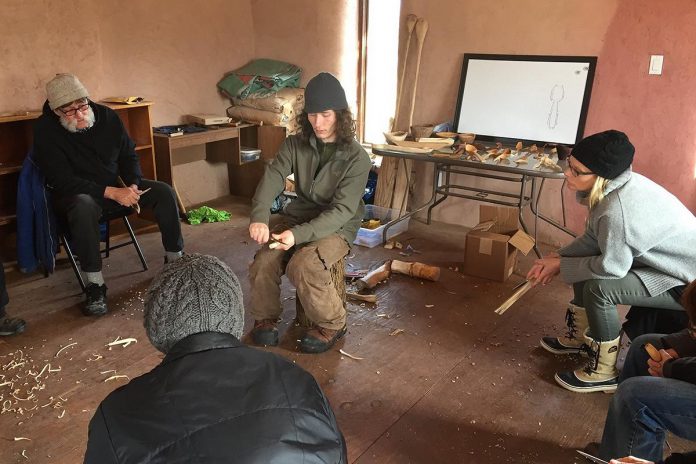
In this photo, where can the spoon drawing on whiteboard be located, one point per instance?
(557, 94)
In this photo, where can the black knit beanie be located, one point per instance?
(606, 154)
(324, 92)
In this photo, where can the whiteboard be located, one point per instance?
(525, 97)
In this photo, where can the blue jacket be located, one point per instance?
(37, 239)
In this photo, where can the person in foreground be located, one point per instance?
(638, 248)
(212, 399)
(655, 396)
(316, 230)
(91, 168)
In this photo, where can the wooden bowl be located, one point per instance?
(392, 137)
(423, 130)
(466, 137)
(446, 135)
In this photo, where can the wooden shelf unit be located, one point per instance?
(16, 138)
(221, 145)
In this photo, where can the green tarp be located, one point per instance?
(260, 78)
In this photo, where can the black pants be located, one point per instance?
(82, 213)
(4, 298)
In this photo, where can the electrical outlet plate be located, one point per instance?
(656, 64)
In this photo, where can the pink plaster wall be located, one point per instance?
(655, 111)
(317, 35)
(170, 52)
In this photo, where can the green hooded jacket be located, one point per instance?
(328, 202)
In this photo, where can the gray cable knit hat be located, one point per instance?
(64, 89)
(196, 293)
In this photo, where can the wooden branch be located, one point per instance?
(374, 277)
(515, 296)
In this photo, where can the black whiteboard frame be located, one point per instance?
(592, 60)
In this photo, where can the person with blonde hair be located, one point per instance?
(638, 248)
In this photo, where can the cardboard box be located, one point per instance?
(492, 246)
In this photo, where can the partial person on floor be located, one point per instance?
(212, 399)
(316, 230)
(655, 396)
(8, 325)
(638, 248)
(87, 157)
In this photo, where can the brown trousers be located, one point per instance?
(308, 267)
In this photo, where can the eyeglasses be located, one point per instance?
(575, 172)
(72, 111)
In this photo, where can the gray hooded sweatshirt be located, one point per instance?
(640, 227)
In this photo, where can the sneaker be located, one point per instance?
(265, 332)
(12, 326)
(95, 305)
(319, 339)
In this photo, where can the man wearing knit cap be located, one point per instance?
(92, 169)
(638, 248)
(316, 230)
(212, 399)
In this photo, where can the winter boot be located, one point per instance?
(600, 373)
(572, 342)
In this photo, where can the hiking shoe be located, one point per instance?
(319, 339)
(95, 305)
(12, 326)
(265, 332)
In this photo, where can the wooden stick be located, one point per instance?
(515, 296)
(410, 24)
(365, 298)
(135, 206)
(421, 31)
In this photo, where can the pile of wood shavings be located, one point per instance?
(23, 384)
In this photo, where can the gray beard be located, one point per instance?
(70, 125)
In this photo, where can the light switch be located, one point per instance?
(656, 64)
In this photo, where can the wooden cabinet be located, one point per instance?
(16, 138)
(221, 145)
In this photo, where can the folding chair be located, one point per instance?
(105, 222)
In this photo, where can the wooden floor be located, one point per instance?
(458, 385)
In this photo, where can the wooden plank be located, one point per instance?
(385, 182)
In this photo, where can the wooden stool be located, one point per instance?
(338, 272)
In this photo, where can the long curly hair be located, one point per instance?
(345, 127)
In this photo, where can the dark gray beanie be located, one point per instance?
(196, 293)
(324, 92)
(606, 154)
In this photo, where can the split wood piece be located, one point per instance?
(365, 298)
(402, 186)
(374, 277)
(417, 270)
(515, 296)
